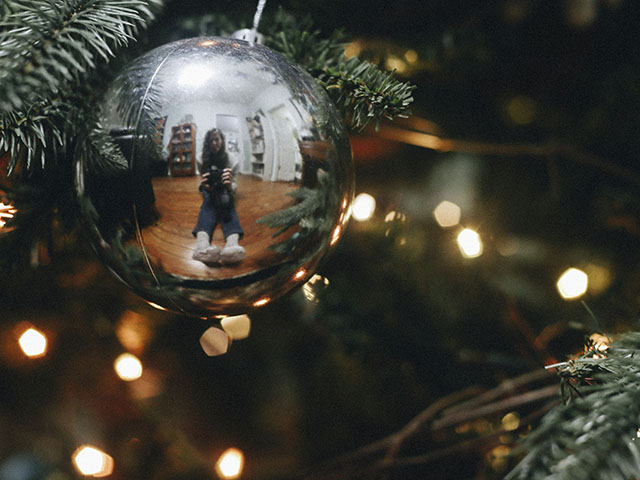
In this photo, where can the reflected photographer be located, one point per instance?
(217, 186)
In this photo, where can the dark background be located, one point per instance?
(405, 319)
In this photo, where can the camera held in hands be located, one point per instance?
(220, 195)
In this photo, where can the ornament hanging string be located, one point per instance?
(256, 17)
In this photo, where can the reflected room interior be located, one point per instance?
(272, 144)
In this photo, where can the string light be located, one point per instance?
(363, 207)
(91, 462)
(511, 421)
(6, 212)
(447, 214)
(128, 367)
(33, 343)
(237, 327)
(310, 289)
(230, 464)
(572, 284)
(470, 243)
(261, 302)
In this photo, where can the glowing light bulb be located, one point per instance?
(511, 421)
(230, 463)
(447, 214)
(312, 287)
(91, 462)
(572, 284)
(363, 207)
(470, 243)
(236, 327)
(128, 367)
(33, 343)
(6, 212)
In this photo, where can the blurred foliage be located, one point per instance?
(404, 319)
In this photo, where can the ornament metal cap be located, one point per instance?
(248, 34)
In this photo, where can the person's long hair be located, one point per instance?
(209, 158)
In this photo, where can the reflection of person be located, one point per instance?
(217, 186)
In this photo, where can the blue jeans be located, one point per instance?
(209, 217)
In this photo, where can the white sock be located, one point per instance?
(203, 241)
(232, 240)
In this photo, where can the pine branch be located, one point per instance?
(48, 51)
(359, 89)
(594, 435)
(46, 46)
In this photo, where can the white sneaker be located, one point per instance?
(209, 256)
(233, 254)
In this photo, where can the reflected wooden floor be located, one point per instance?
(170, 243)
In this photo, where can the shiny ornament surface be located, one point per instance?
(286, 196)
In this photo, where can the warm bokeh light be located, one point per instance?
(128, 367)
(33, 343)
(92, 462)
(572, 284)
(447, 214)
(214, 342)
(133, 331)
(521, 110)
(310, 289)
(352, 49)
(511, 421)
(394, 216)
(230, 463)
(411, 56)
(396, 64)
(261, 302)
(335, 235)
(158, 307)
(6, 212)
(299, 274)
(237, 326)
(470, 243)
(363, 207)
(600, 343)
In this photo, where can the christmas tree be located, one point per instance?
(476, 320)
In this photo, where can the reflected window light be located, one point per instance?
(470, 243)
(572, 284)
(230, 463)
(363, 207)
(33, 343)
(195, 75)
(128, 367)
(91, 462)
(447, 214)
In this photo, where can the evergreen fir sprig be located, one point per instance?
(358, 88)
(594, 434)
(46, 46)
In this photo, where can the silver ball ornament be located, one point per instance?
(226, 178)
